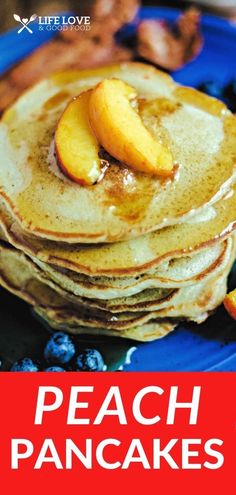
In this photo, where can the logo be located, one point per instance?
(25, 22)
(64, 23)
(55, 23)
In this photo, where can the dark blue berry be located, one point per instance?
(59, 349)
(54, 368)
(25, 364)
(89, 360)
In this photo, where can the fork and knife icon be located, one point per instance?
(24, 22)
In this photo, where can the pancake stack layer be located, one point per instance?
(132, 255)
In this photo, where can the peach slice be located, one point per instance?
(230, 303)
(75, 143)
(121, 132)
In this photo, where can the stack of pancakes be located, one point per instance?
(132, 255)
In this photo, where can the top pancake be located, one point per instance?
(199, 130)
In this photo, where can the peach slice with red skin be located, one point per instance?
(105, 115)
(230, 303)
(120, 130)
(75, 143)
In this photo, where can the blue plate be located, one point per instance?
(207, 347)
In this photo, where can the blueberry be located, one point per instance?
(59, 349)
(89, 360)
(211, 88)
(54, 368)
(25, 364)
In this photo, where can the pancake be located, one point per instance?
(19, 272)
(143, 333)
(197, 309)
(134, 257)
(2, 234)
(199, 131)
(17, 278)
(206, 263)
(201, 301)
(192, 303)
(30, 292)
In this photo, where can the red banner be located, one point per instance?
(112, 432)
